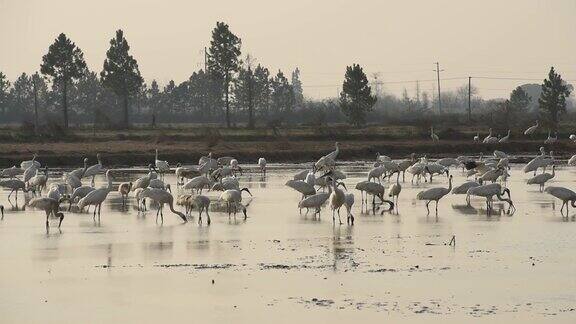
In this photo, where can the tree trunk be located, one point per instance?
(125, 111)
(35, 105)
(250, 104)
(226, 92)
(65, 102)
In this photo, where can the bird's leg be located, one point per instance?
(333, 216)
(207, 216)
(47, 215)
(339, 219)
(428, 209)
(436, 207)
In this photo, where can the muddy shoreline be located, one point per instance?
(119, 153)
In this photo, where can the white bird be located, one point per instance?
(492, 175)
(572, 160)
(434, 194)
(124, 189)
(159, 184)
(301, 175)
(328, 161)
(572, 137)
(29, 173)
(49, 206)
(542, 178)
(161, 166)
(97, 197)
(14, 185)
(336, 199)
(262, 165)
(505, 139)
(490, 139)
(234, 166)
(79, 173)
(405, 164)
(38, 182)
(184, 172)
(348, 203)
(234, 198)
(477, 137)
(162, 197)
(551, 140)
(144, 181)
(78, 194)
(433, 135)
(208, 162)
(564, 194)
(375, 189)
(382, 158)
(11, 172)
(202, 203)
(531, 130)
(448, 162)
(302, 187)
(198, 183)
(315, 201)
(463, 188)
(417, 170)
(225, 160)
(376, 173)
(26, 164)
(540, 161)
(500, 154)
(488, 191)
(395, 189)
(94, 169)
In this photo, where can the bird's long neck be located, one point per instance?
(398, 178)
(156, 154)
(171, 205)
(449, 184)
(109, 182)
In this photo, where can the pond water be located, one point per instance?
(285, 267)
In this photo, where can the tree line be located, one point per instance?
(234, 90)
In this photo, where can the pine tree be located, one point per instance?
(552, 100)
(224, 60)
(64, 63)
(4, 93)
(282, 96)
(297, 88)
(120, 72)
(356, 98)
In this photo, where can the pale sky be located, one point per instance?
(400, 40)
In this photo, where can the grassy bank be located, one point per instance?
(186, 143)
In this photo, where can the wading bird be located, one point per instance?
(564, 194)
(161, 166)
(94, 170)
(234, 198)
(162, 197)
(49, 206)
(78, 194)
(124, 189)
(433, 135)
(97, 197)
(550, 139)
(14, 185)
(505, 139)
(488, 191)
(262, 165)
(542, 178)
(531, 130)
(26, 164)
(375, 189)
(395, 189)
(434, 194)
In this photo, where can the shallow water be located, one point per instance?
(281, 266)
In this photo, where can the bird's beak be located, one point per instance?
(343, 185)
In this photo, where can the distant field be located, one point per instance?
(186, 143)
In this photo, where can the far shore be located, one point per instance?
(122, 153)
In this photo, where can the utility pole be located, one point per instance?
(438, 75)
(469, 99)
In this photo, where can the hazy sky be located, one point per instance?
(397, 39)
